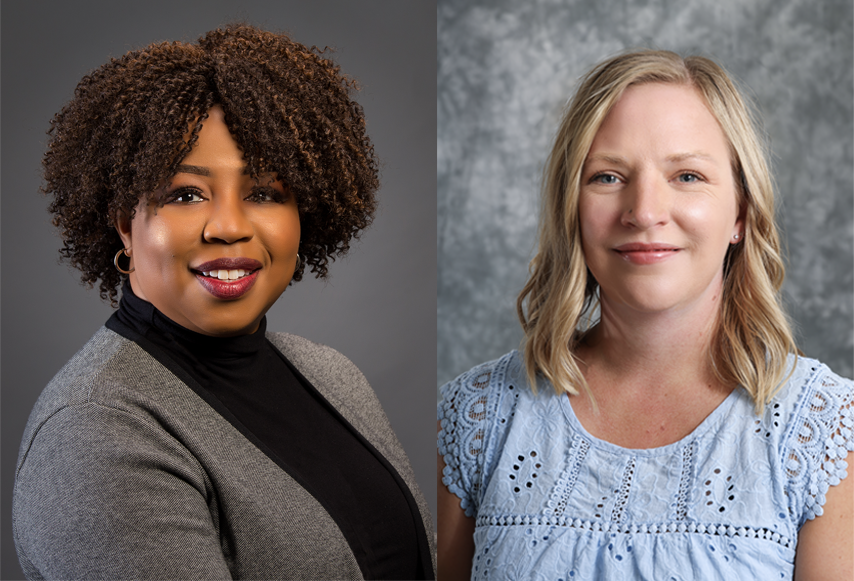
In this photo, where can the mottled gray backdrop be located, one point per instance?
(505, 71)
(379, 306)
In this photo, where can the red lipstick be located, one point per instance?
(227, 288)
(646, 252)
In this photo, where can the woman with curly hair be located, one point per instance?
(184, 441)
(680, 436)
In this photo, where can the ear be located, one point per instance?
(122, 224)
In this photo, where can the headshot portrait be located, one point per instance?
(644, 306)
(222, 222)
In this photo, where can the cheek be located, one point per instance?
(596, 218)
(159, 242)
(708, 222)
(282, 231)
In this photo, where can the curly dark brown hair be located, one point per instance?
(289, 109)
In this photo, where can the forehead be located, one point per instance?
(215, 141)
(662, 119)
(215, 149)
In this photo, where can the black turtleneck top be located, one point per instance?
(253, 386)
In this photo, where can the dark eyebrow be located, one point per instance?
(193, 169)
(200, 171)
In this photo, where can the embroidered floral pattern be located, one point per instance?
(551, 501)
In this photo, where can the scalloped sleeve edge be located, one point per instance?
(463, 414)
(819, 443)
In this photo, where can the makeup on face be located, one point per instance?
(219, 247)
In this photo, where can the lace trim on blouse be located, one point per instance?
(818, 444)
(462, 415)
(658, 528)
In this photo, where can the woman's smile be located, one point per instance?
(228, 278)
(219, 247)
(646, 253)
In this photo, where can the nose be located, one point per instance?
(647, 203)
(227, 222)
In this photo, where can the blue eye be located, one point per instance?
(688, 178)
(605, 178)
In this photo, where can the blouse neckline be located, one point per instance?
(715, 417)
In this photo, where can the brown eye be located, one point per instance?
(267, 194)
(185, 196)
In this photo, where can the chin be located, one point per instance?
(649, 299)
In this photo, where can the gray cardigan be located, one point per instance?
(125, 472)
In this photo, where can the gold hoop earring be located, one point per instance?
(299, 263)
(116, 261)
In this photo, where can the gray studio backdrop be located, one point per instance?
(505, 71)
(379, 306)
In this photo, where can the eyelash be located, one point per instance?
(269, 195)
(597, 177)
(173, 197)
(694, 175)
(273, 195)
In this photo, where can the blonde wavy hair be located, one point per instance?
(754, 337)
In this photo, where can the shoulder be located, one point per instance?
(817, 406)
(98, 457)
(811, 392)
(473, 416)
(112, 386)
(87, 364)
(473, 399)
(331, 373)
(91, 375)
(316, 361)
(806, 375)
(487, 379)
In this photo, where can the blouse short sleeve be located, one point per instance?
(467, 415)
(817, 442)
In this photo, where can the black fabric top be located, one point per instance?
(249, 382)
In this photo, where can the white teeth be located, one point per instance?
(226, 274)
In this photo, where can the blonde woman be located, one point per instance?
(681, 436)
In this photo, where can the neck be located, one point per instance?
(653, 352)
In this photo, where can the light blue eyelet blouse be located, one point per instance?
(550, 501)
